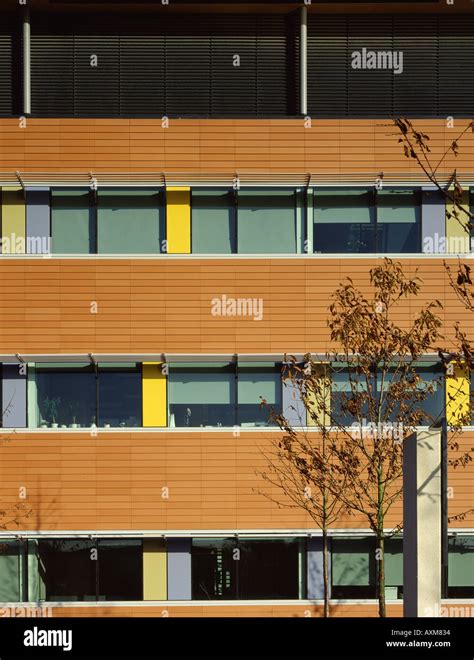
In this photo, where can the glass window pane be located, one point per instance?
(120, 570)
(394, 562)
(353, 568)
(241, 569)
(253, 383)
(344, 221)
(10, 571)
(67, 569)
(66, 397)
(213, 217)
(202, 396)
(266, 222)
(73, 222)
(432, 406)
(398, 221)
(130, 221)
(268, 569)
(461, 567)
(213, 569)
(120, 396)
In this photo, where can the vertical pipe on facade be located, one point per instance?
(26, 62)
(304, 61)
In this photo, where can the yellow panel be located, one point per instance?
(178, 220)
(457, 395)
(154, 570)
(154, 394)
(311, 403)
(13, 221)
(457, 237)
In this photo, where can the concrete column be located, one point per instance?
(422, 504)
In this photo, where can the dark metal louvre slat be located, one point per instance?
(142, 75)
(327, 65)
(52, 75)
(416, 89)
(456, 66)
(234, 88)
(6, 63)
(369, 90)
(272, 82)
(96, 88)
(188, 66)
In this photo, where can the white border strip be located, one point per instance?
(245, 534)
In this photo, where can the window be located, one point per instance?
(245, 569)
(202, 394)
(258, 382)
(361, 220)
(266, 221)
(130, 221)
(63, 570)
(73, 222)
(120, 567)
(66, 395)
(120, 395)
(353, 568)
(82, 395)
(10, 571)
(343, 390)
(83, 570)
(214, 394)
(461, 567)
(394, 568)
(344, 221)
(398, 221)
(213, 222)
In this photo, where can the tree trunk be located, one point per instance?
(380, 556)
(326, 572)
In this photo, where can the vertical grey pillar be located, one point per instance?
(179, 569)
(315, 573)
(292, 405)
(433, 221)
(13, 396)
(26, 61)
(38, 224)
(304, 61)
(422, 524)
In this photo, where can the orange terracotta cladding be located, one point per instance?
(221, 145)
(451, 609)
(114, 481)
(228, 610)
(164, 304)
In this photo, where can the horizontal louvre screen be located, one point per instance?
(6, 81)
(411, 65)
(142, 75)
(180, 65)
(52, 75)
(96, 75)
(456, 66)
(233, 65)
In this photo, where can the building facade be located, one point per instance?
(183, 186)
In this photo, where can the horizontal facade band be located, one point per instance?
(18, 358)
(268, 179)
(202, 533)
(177, 430)
(441, 256)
